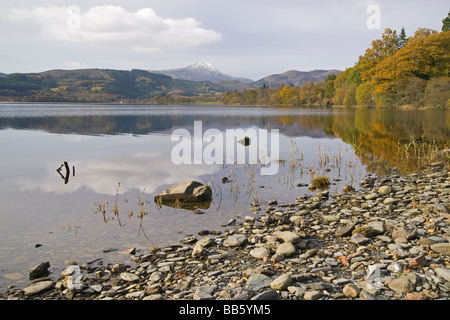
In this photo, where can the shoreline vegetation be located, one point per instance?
(396, 71)
(148, 103)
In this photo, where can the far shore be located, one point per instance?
(404, 107)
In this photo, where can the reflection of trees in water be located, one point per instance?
(405, 139)
(376, 134)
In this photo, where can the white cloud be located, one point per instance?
(141, 30)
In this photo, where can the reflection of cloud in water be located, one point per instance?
(77, 138)
(103, 175)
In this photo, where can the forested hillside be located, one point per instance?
(395, 71)
(100, 85)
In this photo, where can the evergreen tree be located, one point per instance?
(446, 23)
(402, 39)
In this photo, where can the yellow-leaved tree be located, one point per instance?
(425, 56)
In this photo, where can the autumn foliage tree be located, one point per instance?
(288, 95)
(398, 70)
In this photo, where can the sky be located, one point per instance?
(251, 38)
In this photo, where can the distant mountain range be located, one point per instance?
(205, 71)
(107, 85)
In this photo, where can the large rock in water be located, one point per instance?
(39, 271)
(189, 191)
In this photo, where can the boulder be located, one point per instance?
(350, 290)
(288, 236)
(205, 292)
(185, 192)
(130, 277)
(358, 239)
(38, 287)
(267, 295)
(39, 271)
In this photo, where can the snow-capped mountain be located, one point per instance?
(204, 67)
(200, 71)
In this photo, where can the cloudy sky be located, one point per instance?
(251, 38)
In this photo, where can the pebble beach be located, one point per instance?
(387, 240)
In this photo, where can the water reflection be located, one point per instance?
(100, 164)
(131, 144)
(66, 175)
(381, 137)
(145, 162)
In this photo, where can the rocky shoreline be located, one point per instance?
(389, 240)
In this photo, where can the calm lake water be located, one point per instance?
(121, 155)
